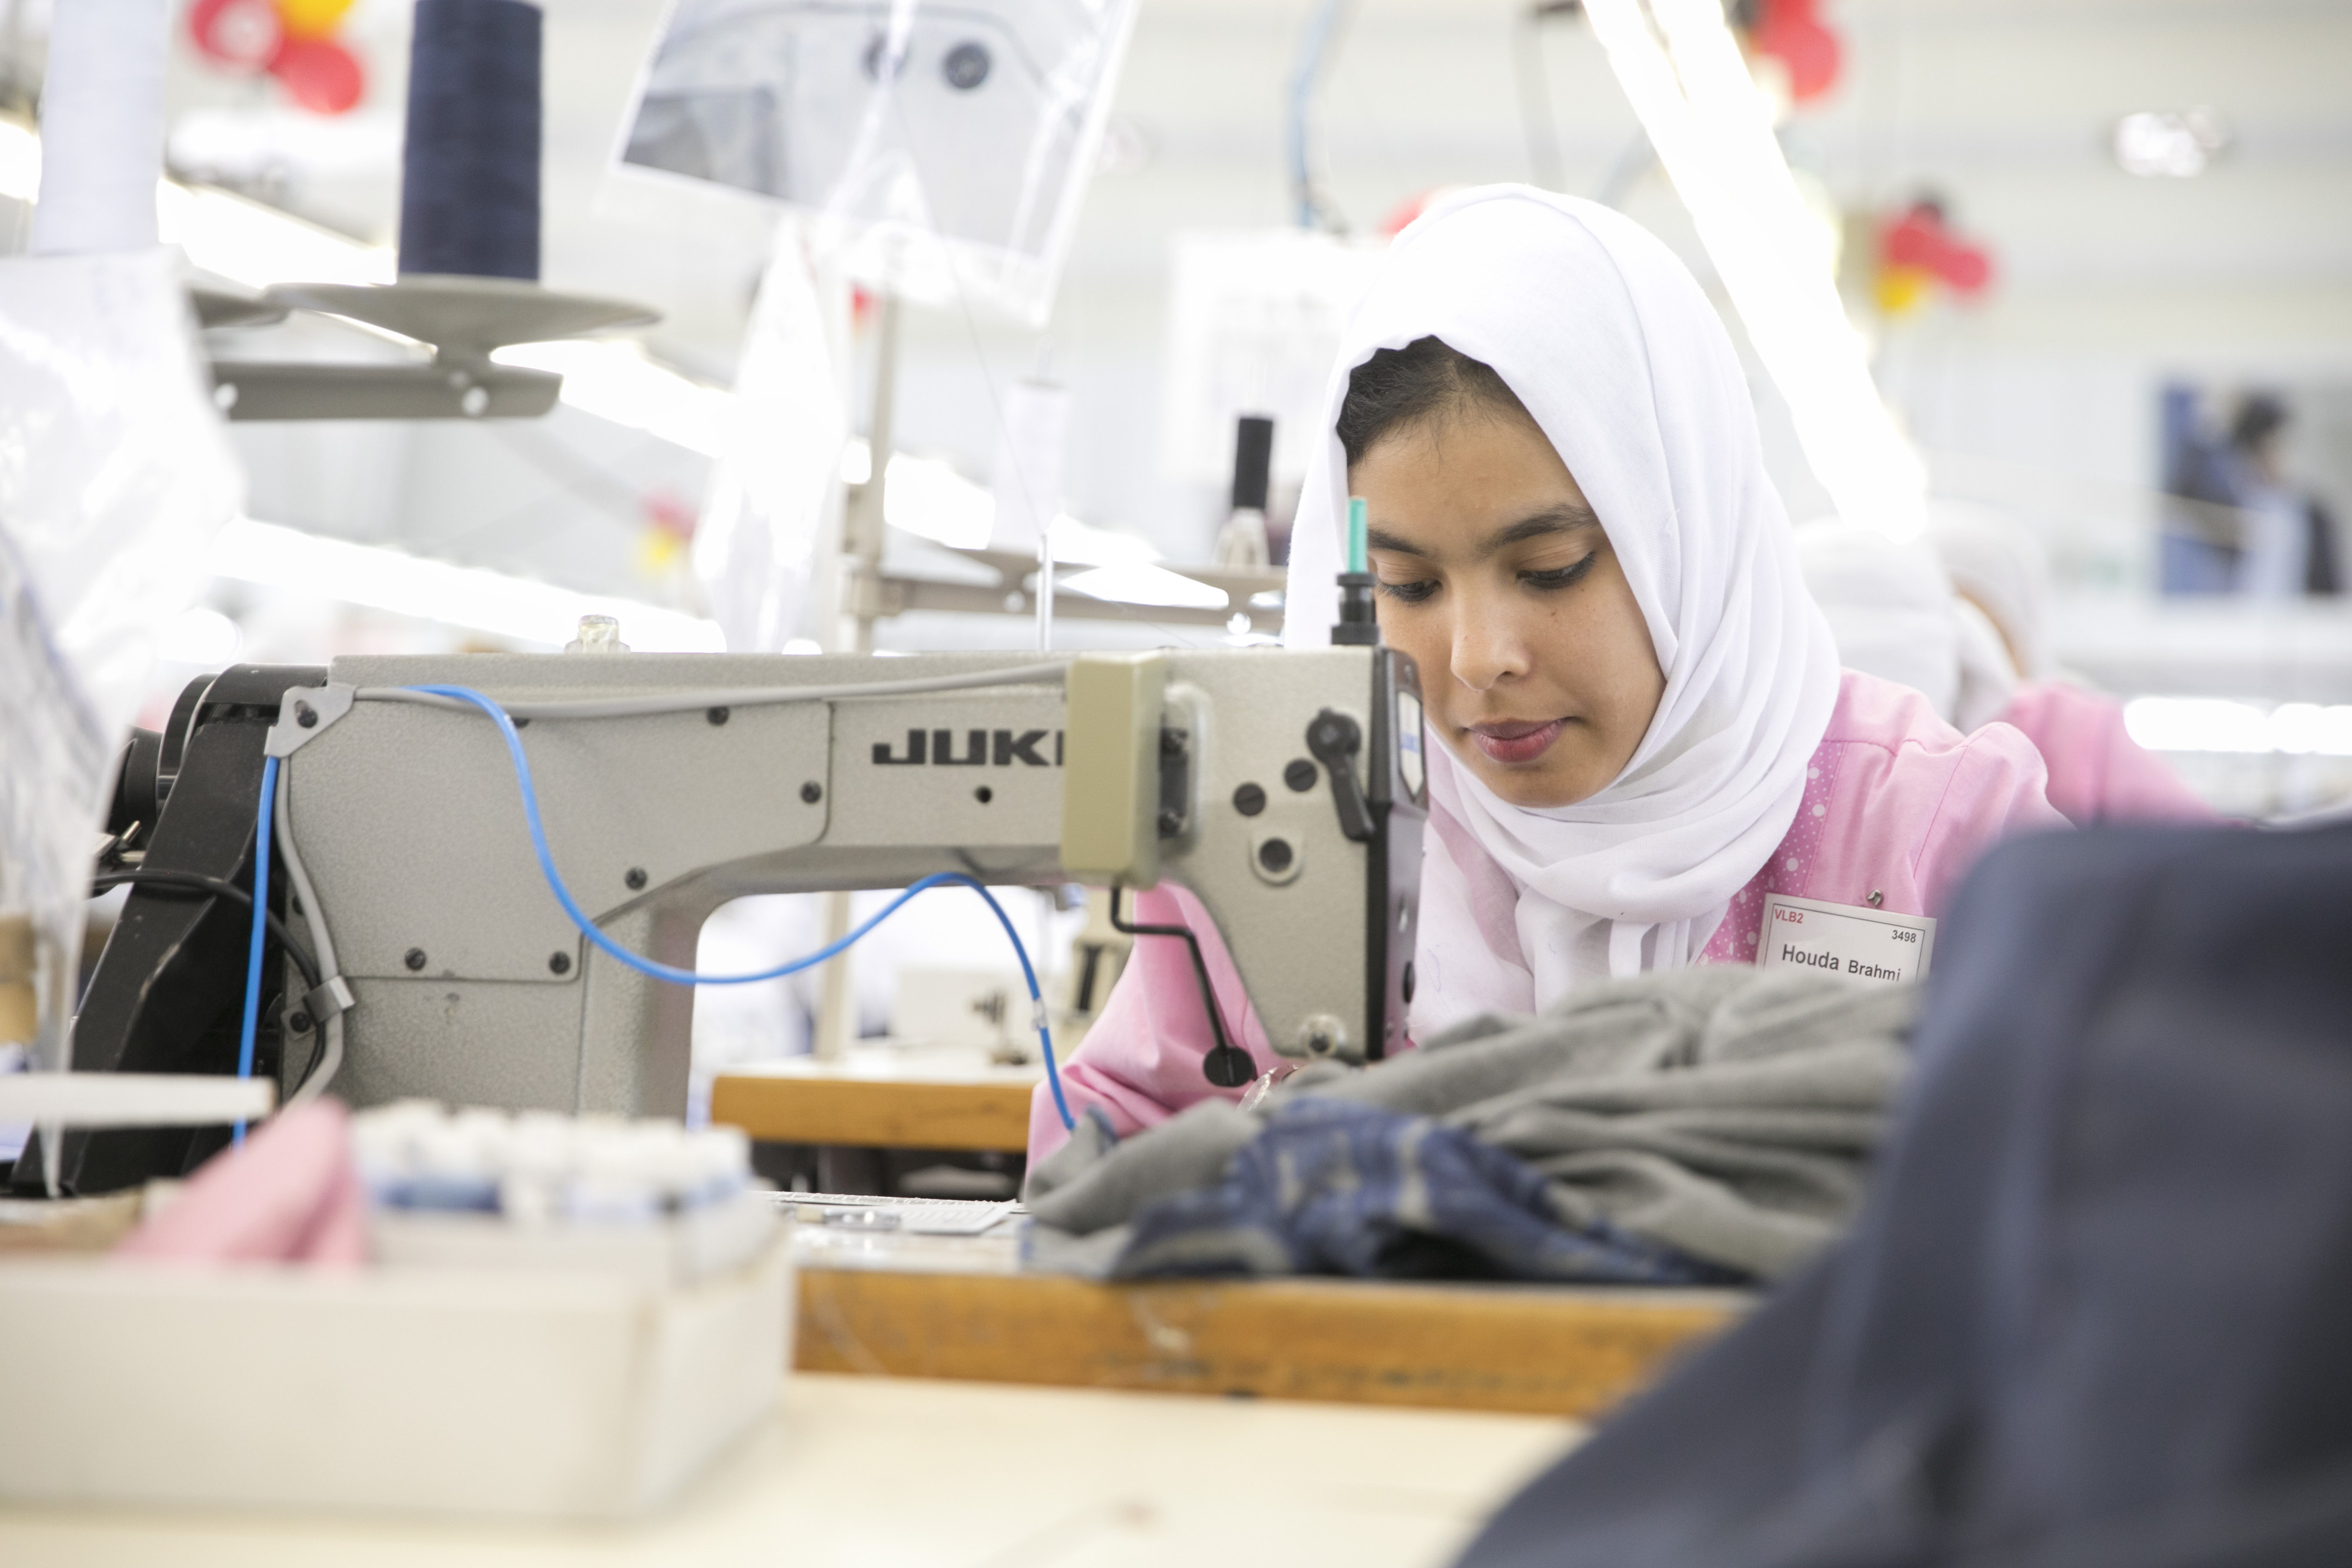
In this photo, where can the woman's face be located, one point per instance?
(1495, 576)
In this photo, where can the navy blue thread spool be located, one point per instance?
(469, 177)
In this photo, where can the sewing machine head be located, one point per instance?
(1282, 789)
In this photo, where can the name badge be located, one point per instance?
(1849, 939)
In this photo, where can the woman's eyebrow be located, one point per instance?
(1553, 520)
(1376, 539)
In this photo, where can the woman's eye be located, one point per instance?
(1560, 577)
(1410, 593)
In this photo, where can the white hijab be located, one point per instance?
(1626, 366)
(1996, 560)
(1891, 607)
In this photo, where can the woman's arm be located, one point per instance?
(1996, 788)
(1141, 1060)
(2097, 773)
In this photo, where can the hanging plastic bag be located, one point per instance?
(115, 473)
(777, 486)
(941, 150)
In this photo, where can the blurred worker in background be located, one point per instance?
(1961, 618)
(1642, 728)
(2097, 773)
(2248, 528)
(2290, 543)
(1892, 610)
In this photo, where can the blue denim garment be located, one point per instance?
(1334, 1187)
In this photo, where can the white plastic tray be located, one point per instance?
(688, 1248)
(527, 1395)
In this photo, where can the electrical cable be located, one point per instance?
(328, 1058)
(1637, 160)
(213, 887)
(1545, 167)
(262, 834)
(1313, 211)
(728, 697)
(468, 697)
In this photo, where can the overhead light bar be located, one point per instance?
(2168, 144)
(1136, 583)
(613, 379)
(245, 242)
(2215, 723)
(1712, 128)
(927, 497)
(20, 161)
(375, 578)
(223, 232)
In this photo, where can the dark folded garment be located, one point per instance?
(1331, 1187)
(2092, 1315)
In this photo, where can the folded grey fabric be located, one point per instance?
(1094, 1180)
(1722, 1112)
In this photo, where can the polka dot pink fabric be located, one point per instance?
(1735, 940)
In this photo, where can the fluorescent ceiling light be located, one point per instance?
(613, 379)
(927, 496)
(1713, 130)
(244, 241)
(375, 578)
(1137, 584)
(2163, 144)
(1082, 544)
(223, 232)
(929, 499)
(20, 161)
(2212, 724)
(201, 637)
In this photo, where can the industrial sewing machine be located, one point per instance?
(1284, 788)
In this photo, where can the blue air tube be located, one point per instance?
(677, 977)
(261, 836)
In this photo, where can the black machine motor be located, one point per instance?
(168, 992)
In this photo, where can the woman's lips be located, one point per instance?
(1516, 740)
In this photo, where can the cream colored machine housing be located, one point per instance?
(1228, 772)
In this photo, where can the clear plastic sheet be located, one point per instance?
(114, 474)
(777, 487)
(941, 149)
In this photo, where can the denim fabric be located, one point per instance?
(1329, 1188)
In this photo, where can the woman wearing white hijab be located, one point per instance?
(1896, 614)
(2098, 773)
(1643, 730)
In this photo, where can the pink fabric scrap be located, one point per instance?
(292, 1194)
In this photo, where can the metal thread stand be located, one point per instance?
(863, 535)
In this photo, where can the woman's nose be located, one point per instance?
(1487, 647)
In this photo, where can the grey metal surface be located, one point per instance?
(466, 318)
(253, 389)
(420, 808)
(411, 826)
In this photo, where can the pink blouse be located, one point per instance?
(1896, 803)
(2097, 771)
